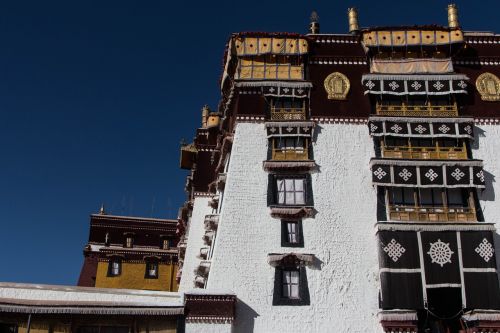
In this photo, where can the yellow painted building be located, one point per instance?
(133, 276)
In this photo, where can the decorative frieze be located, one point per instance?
(414, 173)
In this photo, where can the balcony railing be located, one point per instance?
(418, 110)
(425, 153)
(288, 114)
(432, 214)
(290, 154)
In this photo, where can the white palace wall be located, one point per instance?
(486, 147)
(195, 234)
(344, 285)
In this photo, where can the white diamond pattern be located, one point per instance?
(420, 129)
(457, 174)
(394, 250)
(405, 174)
(380, 173)
(373, 127)
(415, 85)
(431, 174)
(370, 84)
(438, 85)
(468, 129)
(440, 253)
(484, 249)
(480, 175)
(444, 129)
(462, 84)
(394, 85)
(396, 128)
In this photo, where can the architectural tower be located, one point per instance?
(349, 185)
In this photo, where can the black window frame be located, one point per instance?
(110, 266)
(285, 241)
(272, 191)
(147, 274)
(279, 298)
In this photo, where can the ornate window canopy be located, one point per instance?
(295, 129)
(290, 259)
(414, 36)
(422, 127)
(252, 46)
(279, 88)
(452, 174)
(488, 86)
(444, 84)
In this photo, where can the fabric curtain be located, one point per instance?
(411, 66)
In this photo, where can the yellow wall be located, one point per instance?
(163, 325)
(132, 277)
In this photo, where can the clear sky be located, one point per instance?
(95, 97)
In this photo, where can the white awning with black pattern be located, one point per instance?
(422, 127)
(414, 261)
(414, 84)
(279, 88)
(295, 128)
(431, 173)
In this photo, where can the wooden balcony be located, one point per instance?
(425, 153)
(432, 214)
(290, 154)
(288, 114)
(417, 110)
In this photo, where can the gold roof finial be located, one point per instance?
(352, 14)
(314, 25)
(101, 210)
(453, 16)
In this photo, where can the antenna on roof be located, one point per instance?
(314, 25)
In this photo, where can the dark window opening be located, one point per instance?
(291, 234)
(290, 286)
(114, 267)
(445, 310)
(151, 270)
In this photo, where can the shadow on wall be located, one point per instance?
(245, 318)
(478, 133)
(497, 251)
(488, 194)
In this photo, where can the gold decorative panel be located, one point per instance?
(488, 86)
(337, 86)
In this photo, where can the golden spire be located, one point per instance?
(453, 16)
(352, 14)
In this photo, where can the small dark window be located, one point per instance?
(151, 270)
(165, 243)
(291, 234)
(290, 286)
(129, 241)
(114, 267)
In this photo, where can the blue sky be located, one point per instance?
(95, 97)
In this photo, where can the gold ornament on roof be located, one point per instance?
(488, 85)
(337, 86)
